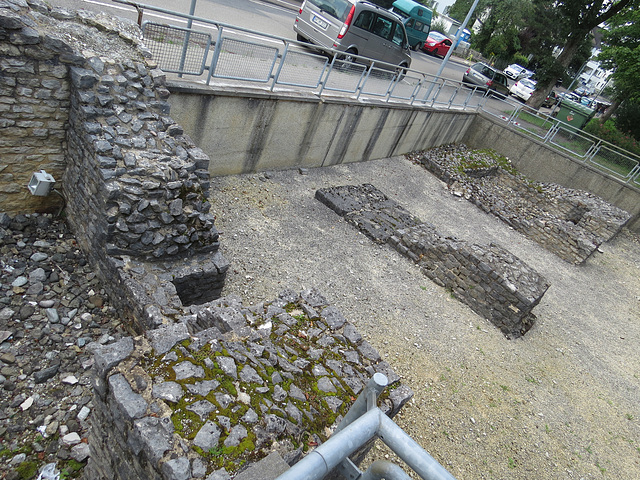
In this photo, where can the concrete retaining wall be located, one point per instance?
(257, 131)
(542, 163)
(247, 131)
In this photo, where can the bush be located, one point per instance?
(520, 60)
(628, 119)
(609, 133)
(439, 26)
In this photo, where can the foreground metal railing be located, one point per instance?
(363, 422)
(228, 53)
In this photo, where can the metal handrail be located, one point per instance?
(363, 422)
(374, 80)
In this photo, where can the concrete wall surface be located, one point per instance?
(543, 163)
(252, 132)
(244, 131)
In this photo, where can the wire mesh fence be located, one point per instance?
(176, 49)
(279, 62)
(242, 60)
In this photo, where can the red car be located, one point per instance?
(437, 44)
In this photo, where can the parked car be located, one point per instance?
(515, 72)
(487, 78)
(581, 91)
(437, 44)
(551, 99)
(354, 27)
(523, 89)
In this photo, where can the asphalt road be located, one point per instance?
(274, 17)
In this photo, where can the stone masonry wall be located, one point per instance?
(227, 386)
(570, 223)
(210, 386)
(488, 278)
(34, 106)
(134, 185)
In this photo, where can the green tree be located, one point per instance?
(576, 19)
(460, 9)
(621, 52)
(499, 35)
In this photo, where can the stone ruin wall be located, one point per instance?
(34, 109)
(210, 396)
(489, 279)
(570, 223)
(82, 101)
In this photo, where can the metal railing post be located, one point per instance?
(187, 36)
(216, 54)
(365, 401)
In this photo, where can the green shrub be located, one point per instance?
(520, 59)
(628, 118)
(610, 133)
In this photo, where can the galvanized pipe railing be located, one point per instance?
(363, 422)
(588, 149)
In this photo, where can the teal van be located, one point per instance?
(417, 21)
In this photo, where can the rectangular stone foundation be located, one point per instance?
(488, 278)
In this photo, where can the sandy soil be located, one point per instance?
(562, 402)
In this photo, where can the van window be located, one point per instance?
(383, 28)
(422, 27)
(336, 8)
(365, 20)
(398, 36)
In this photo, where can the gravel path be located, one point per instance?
(562, 402)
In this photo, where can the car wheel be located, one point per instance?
(416, 47)
(300, 38)
(401, 71)
(348, 56)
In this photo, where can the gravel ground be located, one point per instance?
(52, 308)
(562, 402)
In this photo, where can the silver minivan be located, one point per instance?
(354, 27)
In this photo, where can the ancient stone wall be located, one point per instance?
(229, 385)
(570, 223)
(34, 107)
(488, 278)
(79, 90)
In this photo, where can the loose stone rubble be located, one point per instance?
(570, 223)
(488, 278)
(53, 310)
(278, 374)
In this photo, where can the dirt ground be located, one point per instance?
(560, 403)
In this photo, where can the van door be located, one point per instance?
(382, 30)
(396, 52)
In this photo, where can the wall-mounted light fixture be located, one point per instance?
(41, 183)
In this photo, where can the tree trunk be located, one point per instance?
(610, 111)
(564, 59)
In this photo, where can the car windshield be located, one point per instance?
(516, 68)
(437, 36)
(528, 83)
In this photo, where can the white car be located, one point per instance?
(515, 71)
(523, 89)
